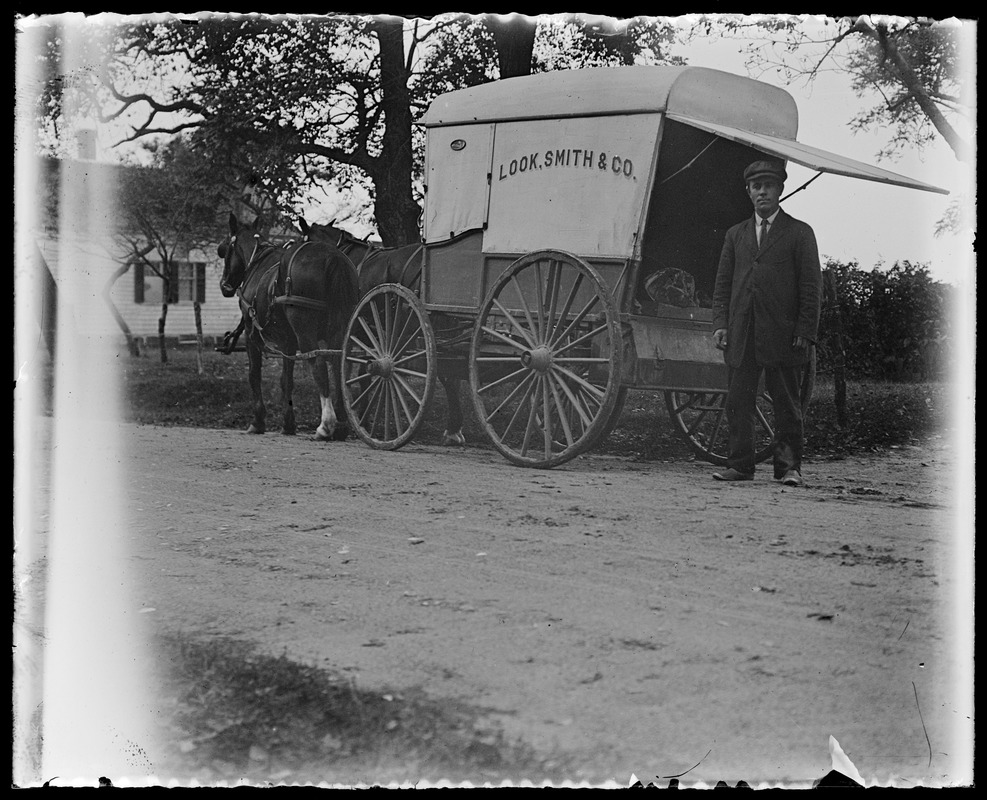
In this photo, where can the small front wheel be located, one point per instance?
(389, 367)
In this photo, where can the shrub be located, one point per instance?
(895, 323)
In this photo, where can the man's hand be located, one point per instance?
(720, 338)
(801, 343)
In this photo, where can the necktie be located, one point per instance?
(764, 232)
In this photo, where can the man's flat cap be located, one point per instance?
(766, 169)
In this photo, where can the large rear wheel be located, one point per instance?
(545, 359)
(389, 367)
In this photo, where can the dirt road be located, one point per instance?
(637, 615)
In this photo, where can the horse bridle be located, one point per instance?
(249, 261)
(349, 244)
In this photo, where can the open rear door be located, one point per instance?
(811, 157)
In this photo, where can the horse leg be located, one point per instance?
(453, 434)
(328, 421)
(287, 390)
(336, 382)
(255, 360)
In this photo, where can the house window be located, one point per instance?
(187, 283)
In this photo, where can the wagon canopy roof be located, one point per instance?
(698, 92)
(758, 114)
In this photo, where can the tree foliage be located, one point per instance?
(913, 66)
(173, 205)
(305, 103)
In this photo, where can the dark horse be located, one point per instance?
(402, 265)
(294, 298)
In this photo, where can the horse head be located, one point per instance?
(237, 253)
(339, 237)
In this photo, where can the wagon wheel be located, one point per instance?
(618, 409)
(701, 417)
(545, 359)
(389, 367)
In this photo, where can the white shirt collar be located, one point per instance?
(771, 219)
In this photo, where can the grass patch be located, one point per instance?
(237, 715)
(881, 414)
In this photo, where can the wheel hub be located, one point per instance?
(381, 367)
(539, 359)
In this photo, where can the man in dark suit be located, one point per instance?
(766, 306)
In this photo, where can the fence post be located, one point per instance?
(196, 306)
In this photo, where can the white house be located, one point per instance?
(84, 243)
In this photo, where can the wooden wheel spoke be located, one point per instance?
(373, 402)
(409, 357)
(585, 337)
(576, 404)
(502, 380)
(576, 320)
(554, 284)
(522, 386)
(580, 381)
(355, 381)
(375, 313)
(540, 331)
(399, 341)
(764, 421)
(507, 339)
(718, 421)
(376, 348)
(398, 403)
(529, 386)
(390, 309)
(547, 411)
(570, 299)
(517, 326)
(524, 305)
(532, 424)
(563, 417)
(411, 373)
(408, 389)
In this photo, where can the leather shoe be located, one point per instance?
(732, 475)
(793, 478)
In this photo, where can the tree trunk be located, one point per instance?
(839, 356)
(514, 36)
(161, 332)
(132, 346)
(395, 209)
(906, 75)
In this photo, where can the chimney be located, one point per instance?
(86, 144)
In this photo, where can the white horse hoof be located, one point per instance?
(453, 438)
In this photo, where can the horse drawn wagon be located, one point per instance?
(572, 227)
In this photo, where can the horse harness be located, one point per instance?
(347, 246)
(279, 290)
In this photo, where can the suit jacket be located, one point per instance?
(778, 288)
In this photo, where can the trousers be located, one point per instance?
(784, 387)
